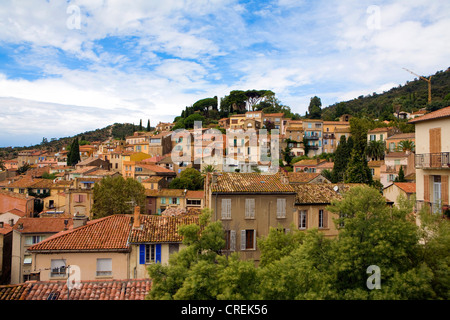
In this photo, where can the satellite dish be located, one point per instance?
(336, 188)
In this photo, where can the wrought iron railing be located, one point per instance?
(432, 160)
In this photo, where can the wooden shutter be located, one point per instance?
(325, 219)
(158, 253)
(426, 188)
(249, 208)
(435, 140)
(444, 190)
(226, 208)
(232, 240)
(243, 239)
(142, 254)
(281, 208)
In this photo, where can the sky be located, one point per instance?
(67, 67)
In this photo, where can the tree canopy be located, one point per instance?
(116, 195)
(412, 261)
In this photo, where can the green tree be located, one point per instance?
(189, 121)
(148, 125)
(406, 145)
(315, 108)
(401, 175)
(358, 170)
(341, 159)
(116, 195)
(190, 179)
(375, 149)
(73, 157)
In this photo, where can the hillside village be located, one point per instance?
(47, 224)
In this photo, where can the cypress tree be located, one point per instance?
(340, 160)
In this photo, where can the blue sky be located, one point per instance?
(71, 66)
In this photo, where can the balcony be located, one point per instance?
(313, 137)
(432, 160)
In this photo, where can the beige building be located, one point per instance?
(114, 247)
(311, 206)
(405, 189)
(248, 204)
(27, 232)
(432, 159)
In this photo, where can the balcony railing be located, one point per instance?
(432, 160)
(314, 137)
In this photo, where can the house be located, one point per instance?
(93, 162)
(311, 203)
(313, 129)
(375, 168)
(159, 200)
(432, 159)
(224, 123)
(10, 217)
(393, 191)
(393, 142)
(164, 126)
(155, 183)
(248, 205)
(128, 289)
(142, 171)
(329, 134)
(153, 239)
(160, 143)
(275, 118)
(195, 199)
(26, 232)
(97, 249)
(392, 163)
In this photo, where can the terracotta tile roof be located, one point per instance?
(302, 177)
(382, 129)
(441, 113)
(250, 183)
(41, 225)
(160, 228)
(310, 162)
(5, 230)
(396, 155)
(108, 233)
(164, 192)
(175, 212)
(403, 136)
(153, 179)
(320, 193)
(135, 289)
(375, 163)
(154, 167)
(326, 165)
(195, 194)
(408, 187)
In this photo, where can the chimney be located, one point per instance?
(137, 217)
(79, 220)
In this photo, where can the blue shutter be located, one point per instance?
(142, 254)
(178, 200)
(158, 253)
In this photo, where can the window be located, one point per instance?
(149, 253)
(373, 137)
(193, 202)
(163, 200)
(303, 215)
(248, 239)
(29, 240)
(436, 193)
(104, 267)
(249, 208)
(323, 219)
(281, 208)
(58, 268)
(226, 208)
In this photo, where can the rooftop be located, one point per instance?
(109, 233)
(250, 183)
(41, 225)
(441, 113)
(408, 187)
(322, 193)
(156, 229)
(87, 290)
